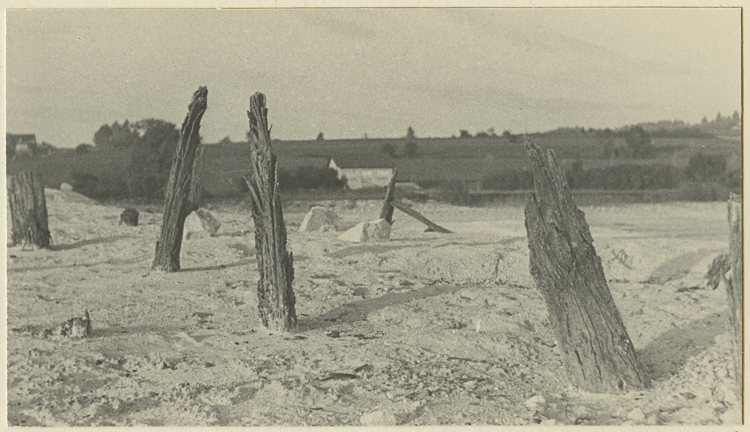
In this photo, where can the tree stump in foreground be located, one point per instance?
(734, 281)
(275, 294)
(177, 204)
(28, 210)
(597, 352)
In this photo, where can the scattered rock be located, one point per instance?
(65, 187)
(319, 219)
(129, 217)
(378, 418)
(200, 222)
(364, 232)
(637, 415)
(535, 403)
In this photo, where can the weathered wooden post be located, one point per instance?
(275, 294)
(386, 212)
(734, 281)
(28, 210)
(177, 205)
(597, 352)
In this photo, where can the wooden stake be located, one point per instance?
(596, 349)
(386, 212)
(177, 204)
(416, 215)
(28, 210)
(275, 294)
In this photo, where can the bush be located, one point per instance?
(706, 168)
(453, 192)
(303, 178)
(509, 180)
(102, 187)
(629, 177)
(84, 148)
(310, 177)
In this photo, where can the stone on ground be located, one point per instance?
(319, 219)
(65, 187)
(636, 415)
(534, 403)
(378, 418)
(129, 217)
(374, 231)
(199, 223)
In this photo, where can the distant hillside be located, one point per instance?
(438, 159)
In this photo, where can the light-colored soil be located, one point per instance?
(427, 329)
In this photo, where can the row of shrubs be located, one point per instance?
(152, 187)
(701, 169)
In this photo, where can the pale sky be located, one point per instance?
(347, 72)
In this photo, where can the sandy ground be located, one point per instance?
(427, 329)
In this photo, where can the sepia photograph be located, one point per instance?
(277, 216)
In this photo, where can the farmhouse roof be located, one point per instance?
(372, 161)
(432, 169)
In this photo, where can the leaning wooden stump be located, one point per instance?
(177, 203)
(734, 281)
(597, 352)
(28, 210)
(275, 294)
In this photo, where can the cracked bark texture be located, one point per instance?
(596, 350)
(177, 202)
(275, 264)
(28, 210)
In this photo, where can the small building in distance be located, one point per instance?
(19, 145)
(363, 172)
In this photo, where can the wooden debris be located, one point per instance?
(416, 215)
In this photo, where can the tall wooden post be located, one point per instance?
(275, 294)
(734, 280)
(597, 352)
(28, 210)
(177, 205)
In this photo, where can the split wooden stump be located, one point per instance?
(177, 202)
(275, 294)
(28, 210)
(597, 352)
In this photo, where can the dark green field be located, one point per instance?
(467, 159)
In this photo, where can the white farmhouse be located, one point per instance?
(363, 172)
